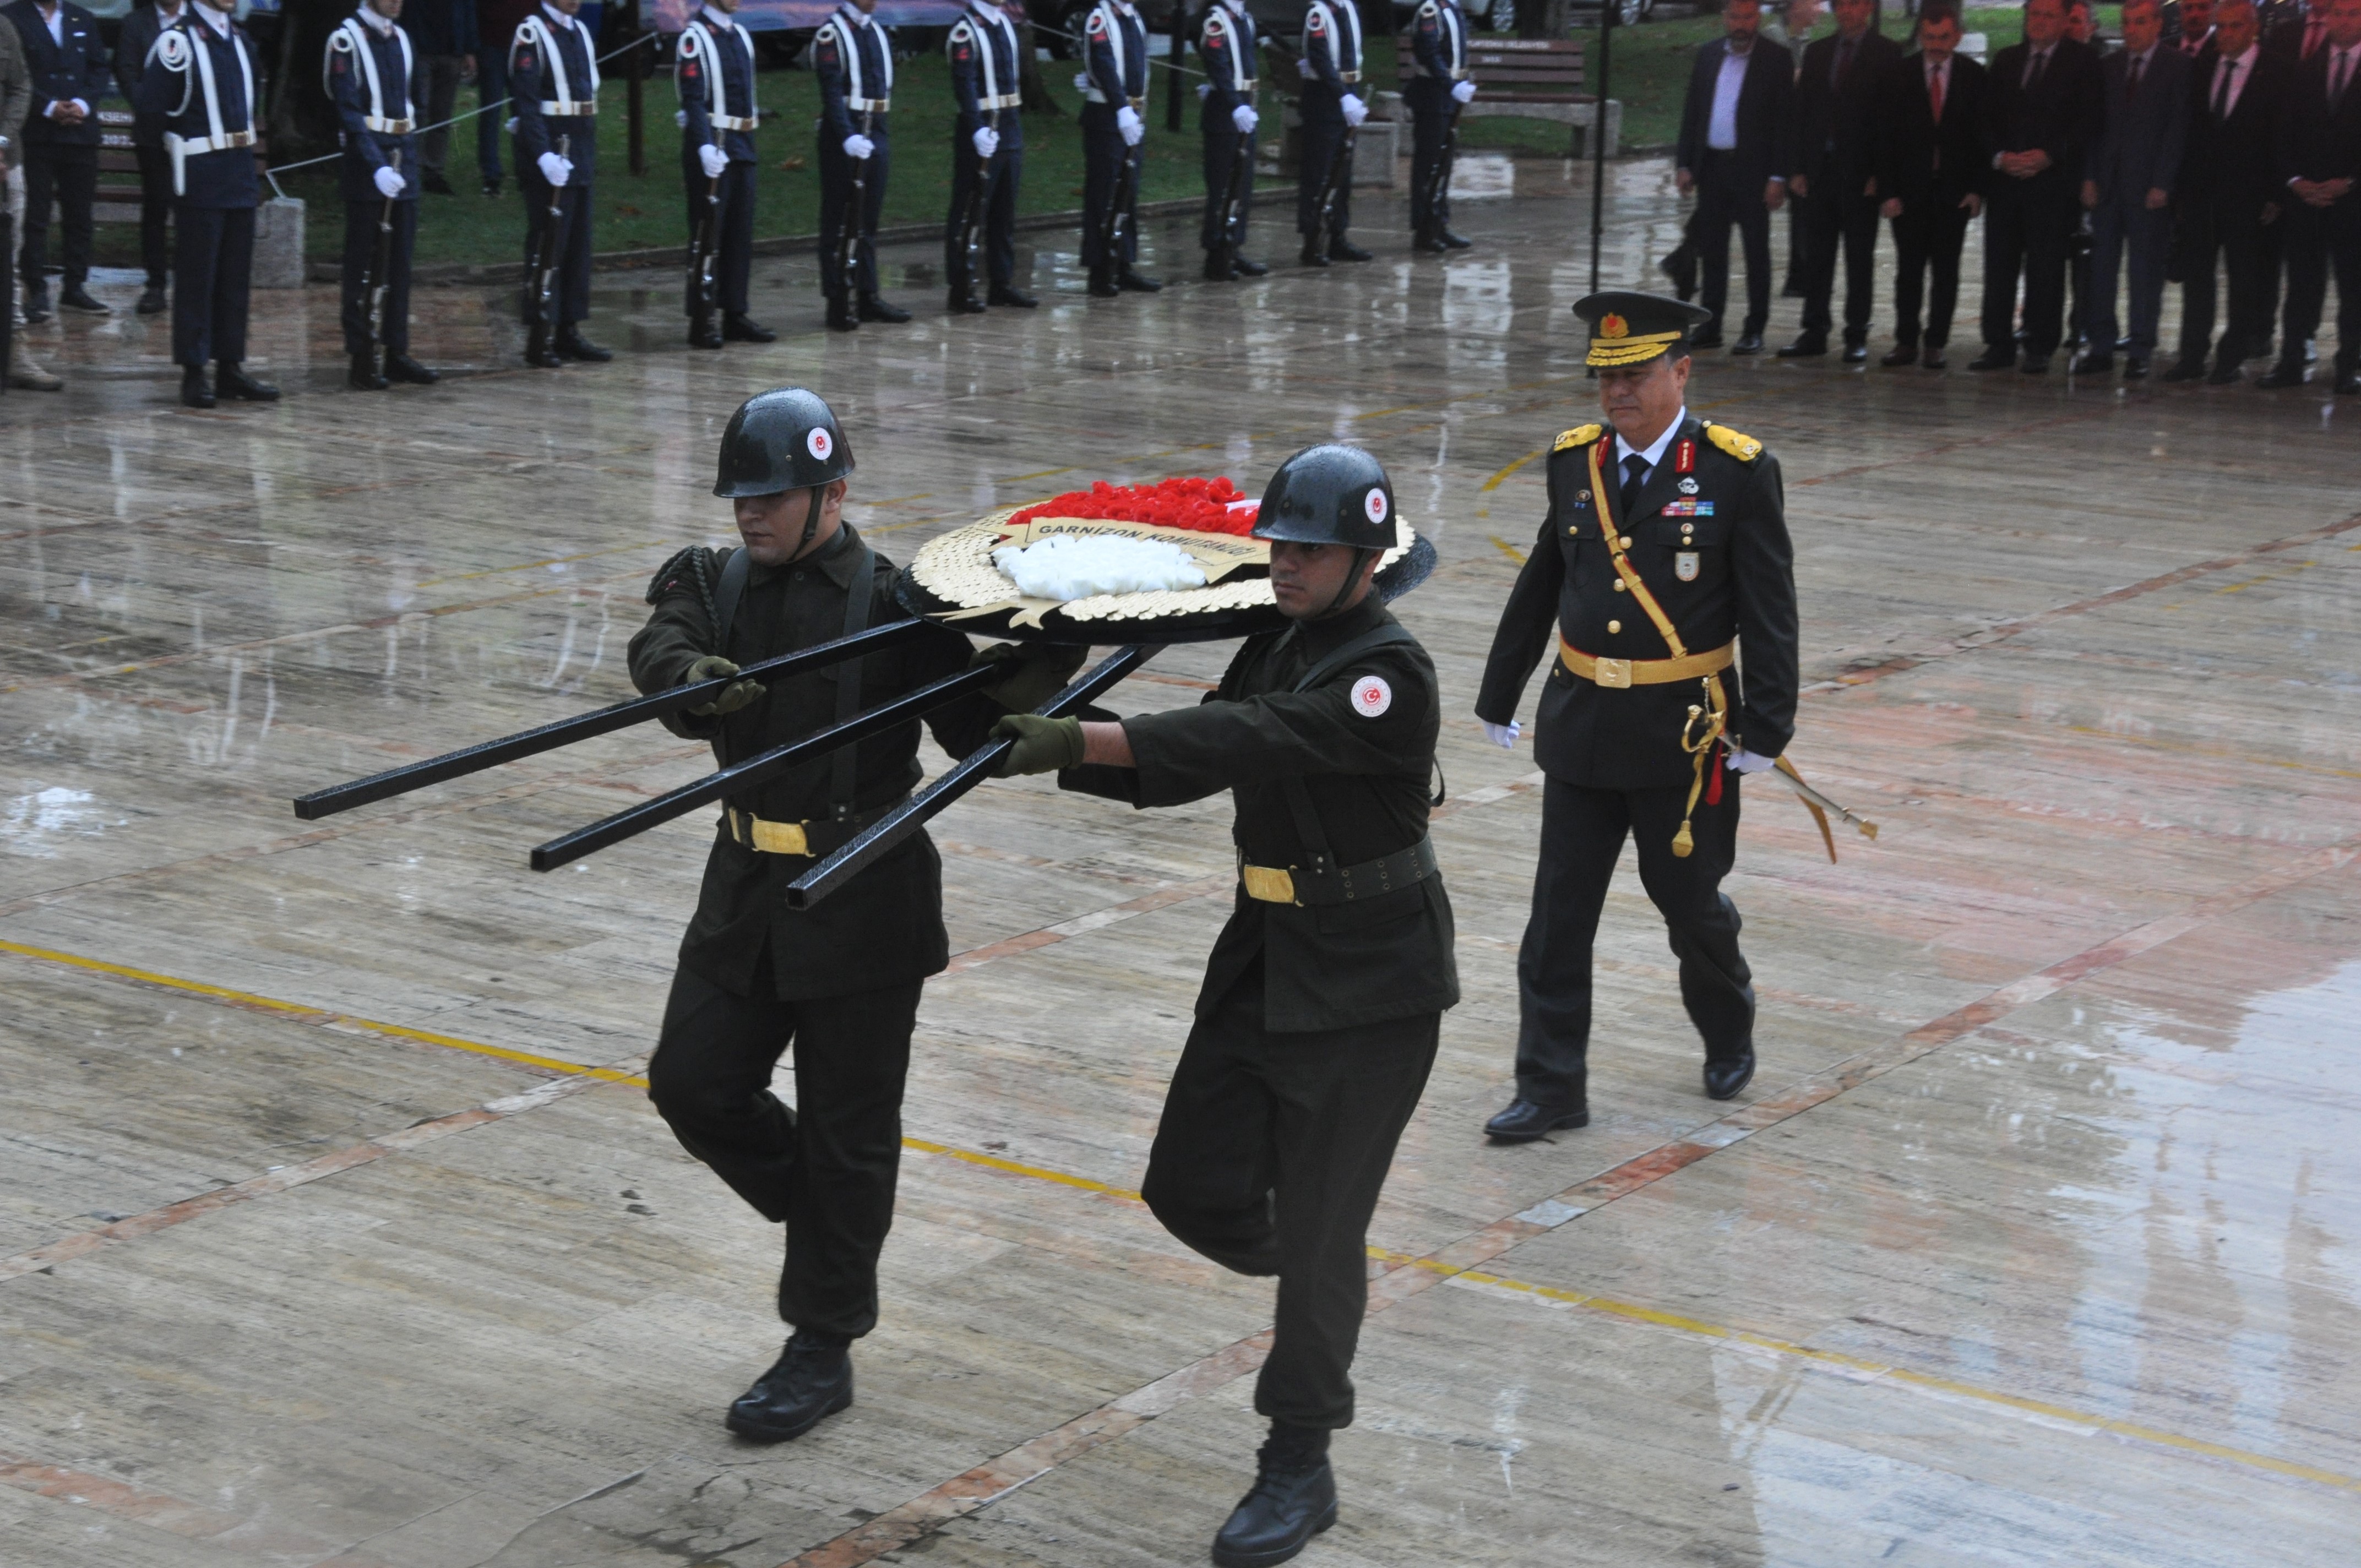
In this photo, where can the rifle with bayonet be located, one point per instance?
(550, 246)
(856, 213)
(701, 255)
(373, 294)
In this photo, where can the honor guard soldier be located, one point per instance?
(1332, 105)
(201, 77)
(553, 93)
(1115, 103)
(987, 143)
(1317, 1022)
(839, 983)
(372, 81)
(715, 74)
(853, 57)
(1439, 85)
(1232, 54)
(1664, 552)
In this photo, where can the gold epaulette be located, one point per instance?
(1745, 448)
(1580, 435)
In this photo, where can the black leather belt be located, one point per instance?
(1294, 884)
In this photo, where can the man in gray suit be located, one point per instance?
(2129, 186)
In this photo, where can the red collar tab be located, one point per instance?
(1685, 456)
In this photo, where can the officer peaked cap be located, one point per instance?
(1627, 327)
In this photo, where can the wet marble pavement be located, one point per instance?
(335, 1229)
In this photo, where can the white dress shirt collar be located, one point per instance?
(557, 16)
(1655, 451)
(719, 19)
(376, 23)
(217, 20)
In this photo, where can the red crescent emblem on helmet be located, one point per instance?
(817, 443)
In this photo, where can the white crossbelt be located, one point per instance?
(1455, 37)
(352, 39)
(1118, 42)
(1218, 22)
(1339, 22)
(858, 100)
(533, 30)
(696, 41)
(992, 97)
(179, 48)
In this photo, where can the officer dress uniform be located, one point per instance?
(853, 57)
(553, 93)
(1702, 535)
(1331, 72)
(1231, 52)
(372, 79)
(983, 47)
(715, 75)
(1114, 79)
(1438, 38)
(61, 161)
(140, 29)
(203, 77)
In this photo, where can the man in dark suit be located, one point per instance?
(1737, 147)
(2189, 24)
(1932, 166)
(2320, 154)
(2129, 185)
(2043, 117)
(69, 76)
(1836, 97)
(138, 36)
(2229, 198)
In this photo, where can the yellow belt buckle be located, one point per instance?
(1615, 674)
(768, 838)
(1268, 884)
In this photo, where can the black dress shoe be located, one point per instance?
(153, 300)
(1934, 358)
(1103, 287)
(1995, 359)
(2136, 367)
(1793, 289)
(1002, 294)
(434, 184)
(811, 1381)
(1294, 1498)
(77, 297)
(492, 186)
(1427, 242)
(1899, 355)
(571, 344)
(1453, 241)
(2034, 365)
(1724, 1080)
(36, 307)
(743, 329)
(2185, 370)
(1132, 282)
(703, 334)
(1342, 250)
(1709, 339)
(841, 319)
(873, 309)
(2090, 362)
(1811, 346)
(1314, 255)
(537, 352)
(2226, 373)
(2281, 375)
(1748, 343)
(960, 303)
(1856, 354)
(1247, 267)
(365, 376)
(402, 367)
(195, 390)
(1526, 1120)
(229, 381)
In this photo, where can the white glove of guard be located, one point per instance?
(1354, 110)
(1742, 760)
(859, 146)
(1246, 119)
(1504, 736)
(1127, 121)
(1083, 83)
(680, 118)
(555, 169)
(987, 141)
(390, 183)
(1462, 90)
(714, 159)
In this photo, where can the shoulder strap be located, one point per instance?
(727, 591)
(848, 681)
(1384, 636)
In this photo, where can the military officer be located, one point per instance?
(838, 983)
(1440, 85)
(553, 93)
(1317, 1022)
(1663, 556)
(987, 144)
(1228, 44)
(853, 57)
(203, 77)
(1332, 105)
(715, 75)
(1115, 103)
(372, 79)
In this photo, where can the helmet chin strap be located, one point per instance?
(1351, 575)
(812, 525)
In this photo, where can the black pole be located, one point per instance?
(566, 731)
(1599, 145)
(929, 803)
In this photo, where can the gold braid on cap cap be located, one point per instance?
(1631, 349)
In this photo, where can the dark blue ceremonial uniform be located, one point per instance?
(60, 160)
(373, 82)
(1227, 45)
(983, 47)
(204, 83)
(553, 93)
(1115, 58)
(715, 78)
(853, 58)
(1438, 59)
(1331, 72)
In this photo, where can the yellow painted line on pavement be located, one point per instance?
(1493, 482)
(1510, 551)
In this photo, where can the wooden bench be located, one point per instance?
(1534, 79)
(119, 169)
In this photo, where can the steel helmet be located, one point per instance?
(785, 438)
(1329, 494)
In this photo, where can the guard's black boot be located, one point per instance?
(702, 334)
(1526, 1120)
(1428, 242)
(1132, 282)
(537, 352)
(1313, 255)
(1004, 294)
(1294, 1498)
(1244, 267)
(1809, 346)
(574, 345)
(1103, 284)
(402, 367)
(366, 377)
(74, 297)
(960, 303)
(1453, 241)
(229, 381)
(743, 329)
(873, 309)
(153, 302)
(1342, 249)
(1217, 266)
(811, 1381)
(1723, 1079)
(195, 390)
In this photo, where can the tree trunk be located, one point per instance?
(302, 122)
(1036, 91)
(1545, 18)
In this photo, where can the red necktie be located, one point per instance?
(1935, 94)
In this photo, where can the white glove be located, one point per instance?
(390, 183)
(1504, 736)
(1462, 90)
(556, 170)
(859, 146)
(1083, 83)
(1127, 121)
(1742, 760)
(680, 118)
(714, 159)
(1246, 119)
(987, 141)
(1354, 110)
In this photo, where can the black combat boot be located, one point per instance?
(1527, 1119)
(571, 344)
(873, 309)
(537, 352)
(811, 1381)
(703, 334)
(1452, 241)
(1247, 267)
(1103, 284)
(366, 377)
(1004, 294)
(745, 329)
(1294, 1498)
(1132, 282)
(1427, 242)
(230, 381)
(399, 367)
(1314, 254)
(195, 390)
(962, 301)
(1342, 249)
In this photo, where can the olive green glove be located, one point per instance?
(1043, 745)
(1032, 672)
(733, 697)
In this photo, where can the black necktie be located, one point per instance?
(2039, 63)
(2131, 83)
(2222, 90)
(1635, 473)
